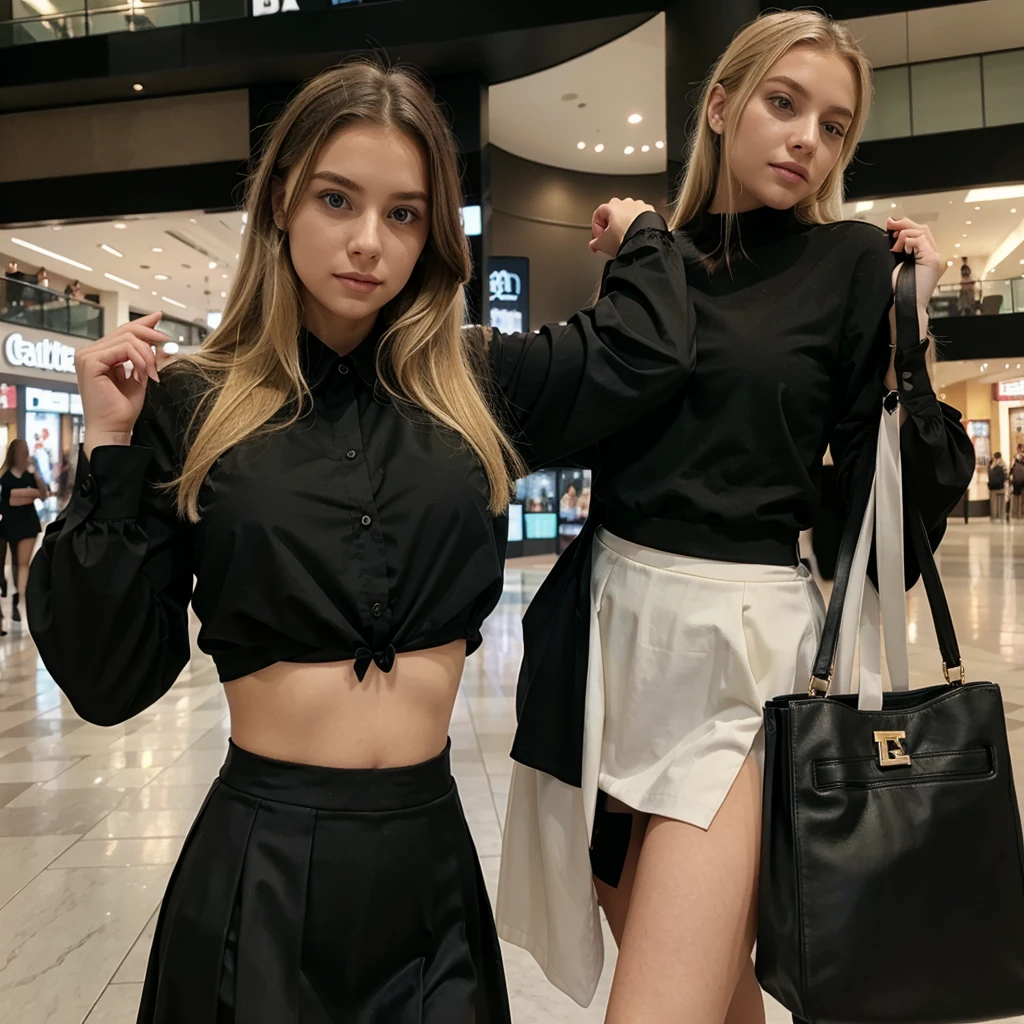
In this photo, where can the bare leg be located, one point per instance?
(691, 923)
(23, 555)
(614, 900)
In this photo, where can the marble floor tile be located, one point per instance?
(119, 1004)
(143, 825)
(23, 857)
(101, 853)
(133, 967)
(65, 934)
(167, 798)
(38, 812)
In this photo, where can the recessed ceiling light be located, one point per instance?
(174, 302)
(628, 150)
(225, 276)
(47, 252)
(57, 227)
(170, 347)
(110, 249)
(978, 207)
(957, 246)
(191, 220)
(156, 248)
(659, 145)
(223, 295)
(120, 225)
(949, 263)
(968, 222)
(161, 277)
(236, 254)
(1013, 209)
(963, 236)
(635, 118)
(121, 280)
(152, 293)
(892, 206)
(865, 206)
(645, 149)
(581, 145)
(212, 264)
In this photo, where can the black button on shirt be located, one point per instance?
(280, 573)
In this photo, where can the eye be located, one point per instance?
(335, 200)
(405, 215)
(836, 129)
(781, 102)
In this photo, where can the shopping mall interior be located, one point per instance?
(125, 133)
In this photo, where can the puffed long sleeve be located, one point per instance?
(569, 386)
(109, 590)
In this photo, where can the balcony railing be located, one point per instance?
(81, 18)
(981, 298)
(30, 305)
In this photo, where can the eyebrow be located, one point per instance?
(800, 90)
(346, 183)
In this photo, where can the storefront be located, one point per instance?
(39, 402)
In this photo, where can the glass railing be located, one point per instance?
(980, 298)
(38, 21)
(979, 91)
(30, 305)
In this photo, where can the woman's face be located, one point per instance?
(20, 456)
(790, 135)
(359, 227)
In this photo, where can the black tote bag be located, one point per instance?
(892, 864)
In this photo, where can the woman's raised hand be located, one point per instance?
(611, 221)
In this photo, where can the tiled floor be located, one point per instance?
(92, 819)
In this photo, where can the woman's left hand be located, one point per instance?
(918, 239)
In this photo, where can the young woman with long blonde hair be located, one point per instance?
(334, 469)
(21, 485)
(699, 609)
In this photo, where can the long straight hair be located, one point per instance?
(750, 55)
(9, 457)
(251, 363)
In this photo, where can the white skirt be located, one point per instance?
(683, 654)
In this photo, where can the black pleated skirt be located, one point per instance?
(327, 896)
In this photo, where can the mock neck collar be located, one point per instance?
(754, 227)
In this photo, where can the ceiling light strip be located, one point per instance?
(50, 253)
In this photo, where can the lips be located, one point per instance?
(791, 172)
(359, 282)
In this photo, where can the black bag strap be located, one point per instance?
(906, 338)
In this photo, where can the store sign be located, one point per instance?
(44, 400)
(262, 7)
(1009, 391)
(509, 285)
(39, 355)
(8, 396)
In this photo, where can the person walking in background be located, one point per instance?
(42, 278)
(19, 490)
(997, 488)
(966, 304)
(1017, 485)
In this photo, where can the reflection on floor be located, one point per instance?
(92, 819)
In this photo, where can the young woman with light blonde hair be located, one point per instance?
(334, 469)
(640, 753)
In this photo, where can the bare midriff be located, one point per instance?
(322, 714)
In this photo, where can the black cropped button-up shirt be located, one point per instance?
(361, 531)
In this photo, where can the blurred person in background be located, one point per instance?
(21, 485)
(997, 488)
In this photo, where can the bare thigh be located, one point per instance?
(684, 915)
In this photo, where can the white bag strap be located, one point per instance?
(864, 607)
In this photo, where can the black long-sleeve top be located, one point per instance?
(792, 345)
(360, 532)
(792, 348)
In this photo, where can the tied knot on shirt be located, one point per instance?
(384, 660)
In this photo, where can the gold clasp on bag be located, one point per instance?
(891, 753)
(955, 682)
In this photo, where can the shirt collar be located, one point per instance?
(754, 227)
(318, 360)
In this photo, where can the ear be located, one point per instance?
(716, 109)
(277, 196)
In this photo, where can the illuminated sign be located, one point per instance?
(39, 355)
(1009, 390)
(509, 285)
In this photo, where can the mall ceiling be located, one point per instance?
(122, 256)
(546, 116)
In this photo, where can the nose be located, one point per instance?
(365, 240)
(804, 138)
